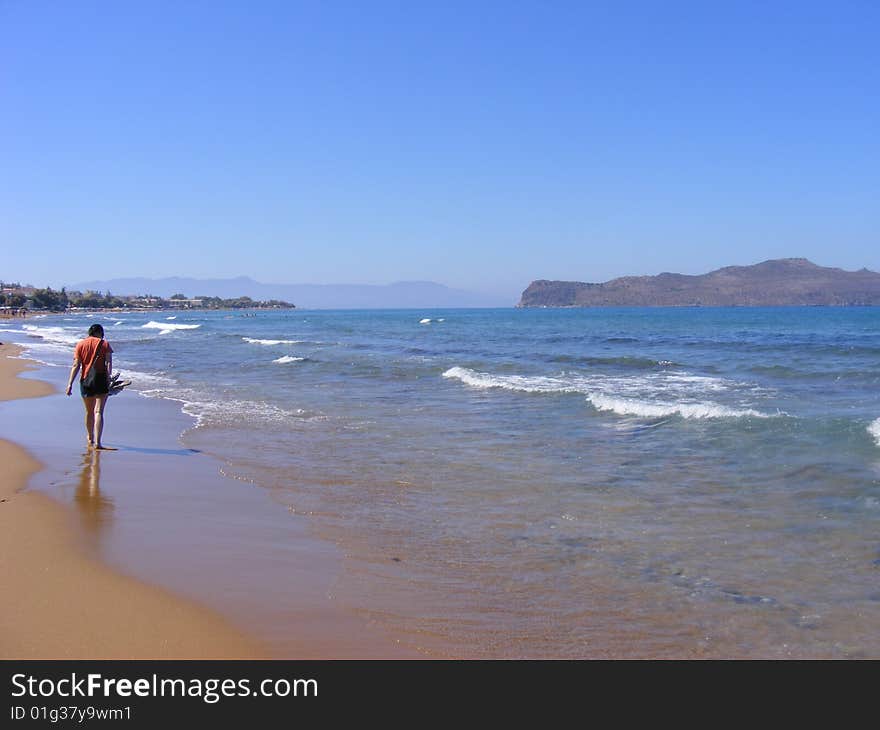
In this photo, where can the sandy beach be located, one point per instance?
(152, 550)
(58, 602)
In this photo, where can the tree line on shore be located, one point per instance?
(48, 299)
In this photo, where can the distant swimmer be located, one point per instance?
(94, 357)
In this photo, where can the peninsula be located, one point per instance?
(778, 282)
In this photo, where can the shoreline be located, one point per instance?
(59, 602)
(224, 572)
(358, 499)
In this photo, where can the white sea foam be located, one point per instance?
(521, 383)
(255, 341)
(289, 358)
(702, 381)
(426, 320)
(208, 410)
(140, 379)
(58, 335)
(643, 396)
(50, 349)
(169, 326)
(874, 430)
(659, 409)
(166, 328)
(172, 317)
(60, 346)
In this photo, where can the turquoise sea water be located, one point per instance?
(600, 482)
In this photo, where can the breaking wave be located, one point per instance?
(255, 341)
(209, 410)
(645, 396)
(55, 335)
(169, 326)
(874, 430)
(649, 409)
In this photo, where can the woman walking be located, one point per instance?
(94, 357)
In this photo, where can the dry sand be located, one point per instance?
(58, 602)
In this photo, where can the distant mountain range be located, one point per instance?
(402, 295)
(779, 282)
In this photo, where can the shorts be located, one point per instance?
(101, 386)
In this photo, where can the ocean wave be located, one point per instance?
(255, 341)
(209, 410)
(289, 358)
(644, 396)
(874, 430)
(57, 335)
(655, 383)
(519, 383)
(140, 379)
(659, 409)
(166, 327)
(64, 350)
(703, 381)
(55, 342)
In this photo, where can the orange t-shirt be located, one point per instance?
(85, 350)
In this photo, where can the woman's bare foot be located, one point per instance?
(101, 447)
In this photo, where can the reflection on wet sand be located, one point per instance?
(96, 508)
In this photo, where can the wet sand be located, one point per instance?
(119, 554)
(58, 602)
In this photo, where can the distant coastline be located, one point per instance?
(18, 300)
(773, 283)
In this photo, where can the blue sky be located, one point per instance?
(477, 144)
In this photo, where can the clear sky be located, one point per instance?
(477, 144)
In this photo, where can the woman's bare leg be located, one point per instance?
(89, 404)
(100, 402)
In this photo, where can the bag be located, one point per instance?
(91, 378)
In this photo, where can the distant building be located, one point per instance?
(185, 303)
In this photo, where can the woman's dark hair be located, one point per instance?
(96, 330)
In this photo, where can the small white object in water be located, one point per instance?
(874, 430)
(425, 321)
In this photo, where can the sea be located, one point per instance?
(604, 482)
